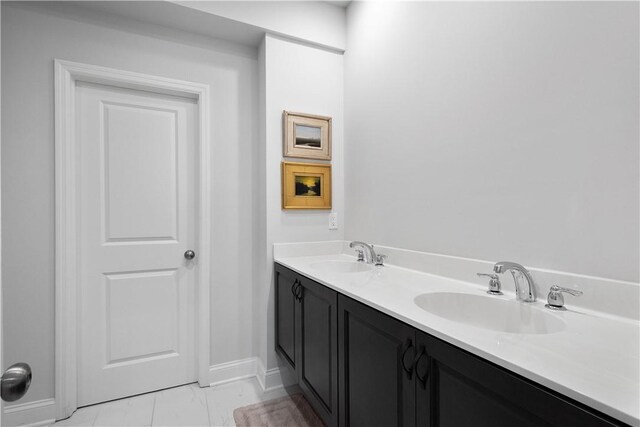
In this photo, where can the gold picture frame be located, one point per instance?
(306, 186)
(306, 136)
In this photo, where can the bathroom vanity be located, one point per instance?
(363, 360)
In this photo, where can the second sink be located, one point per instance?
(490, 313)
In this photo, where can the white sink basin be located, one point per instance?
(335, 266)
(490, 313)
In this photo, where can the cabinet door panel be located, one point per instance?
(285, 314)
(462, 402)
(318, 364)
(375, 390)
(465, 390)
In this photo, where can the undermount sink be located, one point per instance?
(490, 313)
(335, 266)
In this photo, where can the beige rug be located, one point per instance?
(291, 411)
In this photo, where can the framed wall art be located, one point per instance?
(307, 136)
(306, 186)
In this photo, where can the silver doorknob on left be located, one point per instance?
(189, 254)
(15, 382)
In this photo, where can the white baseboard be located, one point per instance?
(261, 375)
(232, 371)
(33, 414)
(269, 379)
(274, 378)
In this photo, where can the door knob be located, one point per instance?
(15, 382)
(189, 254)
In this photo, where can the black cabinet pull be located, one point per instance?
(299, 291)
(296, 289)
(408, 370)
(422, 380)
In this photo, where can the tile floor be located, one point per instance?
(188, 405)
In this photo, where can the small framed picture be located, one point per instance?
(306, 186)
(307, 136)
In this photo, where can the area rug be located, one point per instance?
(286, 411)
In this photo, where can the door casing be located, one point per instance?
(67, 74)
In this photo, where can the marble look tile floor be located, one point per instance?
(188, 405)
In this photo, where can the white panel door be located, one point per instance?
(136, 326)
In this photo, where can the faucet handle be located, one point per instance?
(555, 299)
(380, 259)
(495, 287)
(360, 254)
(575, 293)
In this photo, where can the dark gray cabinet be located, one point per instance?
(306, 336)
(285, 283)
(360, 367)
(460, 389)
(376, 354)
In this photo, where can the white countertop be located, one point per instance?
(594, 359)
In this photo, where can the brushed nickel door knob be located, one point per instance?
(189, 254)
(15, 382)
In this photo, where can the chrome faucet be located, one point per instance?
(369, 254)
(524, 292)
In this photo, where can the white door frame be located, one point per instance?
(67, 74)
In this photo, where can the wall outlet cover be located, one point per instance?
(333, 221)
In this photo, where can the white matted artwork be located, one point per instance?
(306, 136)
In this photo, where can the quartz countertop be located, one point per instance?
(593, 360)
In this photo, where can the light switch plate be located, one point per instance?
(333, 221)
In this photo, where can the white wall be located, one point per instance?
(316, 22)
(31, 40)
(302, 79)
(496, 130)
(1, 324)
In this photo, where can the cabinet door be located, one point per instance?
(375, 355)
(465, 390)
(285, 283)
(318, 354)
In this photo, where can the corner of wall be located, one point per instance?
(260, 245)
(309, 79)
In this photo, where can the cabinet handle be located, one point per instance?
(293, 291)
(299, 291)
(408, 370)
(423, 380)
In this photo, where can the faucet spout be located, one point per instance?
(524, 291)
(369, 253)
